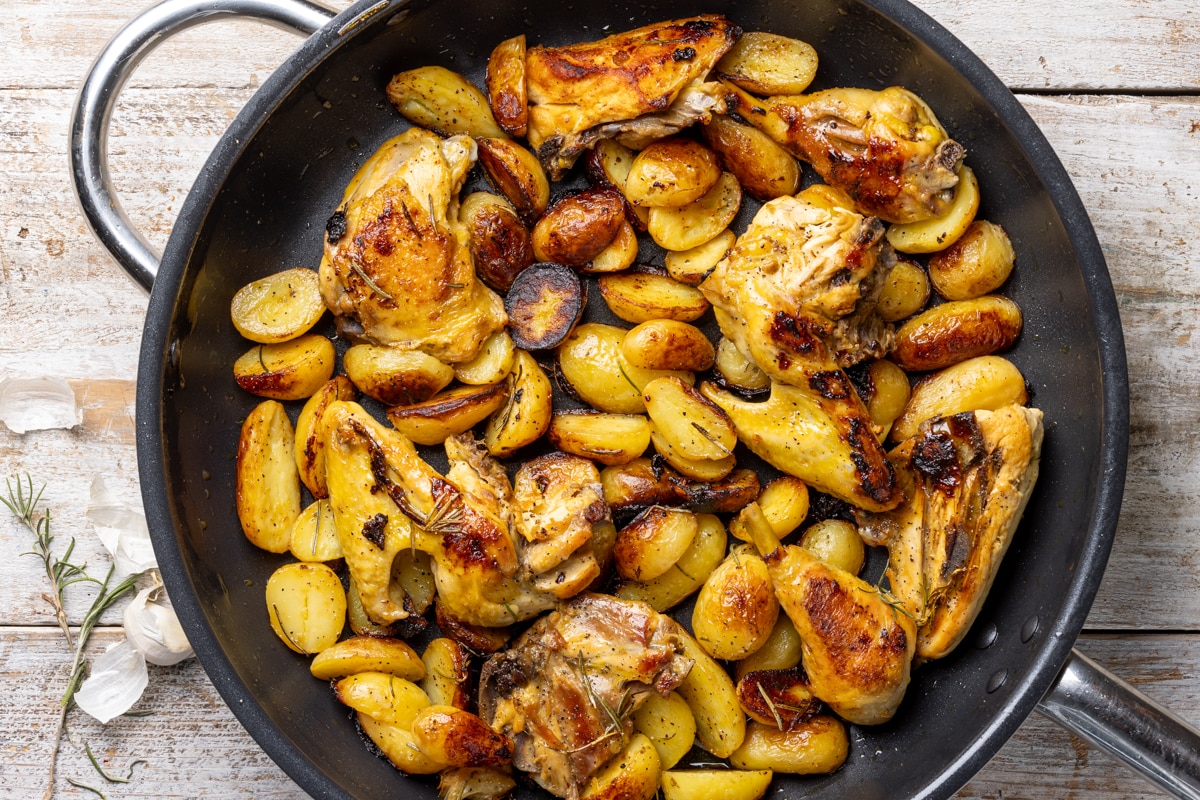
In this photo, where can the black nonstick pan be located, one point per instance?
(260, 205)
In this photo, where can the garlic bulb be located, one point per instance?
(152, 627)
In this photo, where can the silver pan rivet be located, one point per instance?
(997, 680)
(987, 636)
(1029, 628)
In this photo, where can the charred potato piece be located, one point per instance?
(492, 364)
(736, 609)
(931, 235)
(590, 362)
(647, 292)
(764, 169)
(396, 377)
(817, 746)
(310, 437)
(987, 383)
(620, 254)
(694, 265)
(979, 262)
(543, 306)
(291, 370)
(641, 483)
(505, 83)
(473, 637)
(737, 371)
(442, 101)
(671, 588)
(517, 174)
(448, 413)
(668, 344)
(399, 745)
(268, 484)
(459, 738)
(651, 544)
(695, 427)
(698, 222)
(314, 536)
(837, 543)
(278, 307)
(611, 439)
(726, 784)
(955, 331)
(767, 64)
(526, 415)
(905, 292)
(779, 697)
(671, 173)
(500, 243)
(368, 654)
(669, 724)
(578, 227)
(307, 606)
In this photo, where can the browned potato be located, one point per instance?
(291, 370)
(506, 85)
(278, 307)
(815, 747)
(766, 63)
(310, 443)
(500, 242)
(632, 774)
(782, 650)
(736, 609)
(739, 372)
(671, 173)
(448, 413)
(956, 331)
(642, 483)
(905, 292)
(442, 101)
(620, 254)
(593, 368)
(694, 265)
(399, 745)
(395, 377)
(607, 438)
(931, 235)
(647, 292)
(543, 305)
(764, 169)
(778, 697)
(985, 383)
(447, 673)
(526, 415)
(459, 738)
(368, 654)
(979, 262)
(889, 392)
(609, 162)
(698, 222)
(668, 344)
(492, 364)
(382, 696)
(695, 427)
(725, 784)
(784, 504)
(268, 485)
(701, 558)
(651, 544)
(517, 174)
(578, 227)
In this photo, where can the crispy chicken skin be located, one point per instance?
(631, 76)
(397, 262)
(565, 691)
(796, 294)
(968, 479)
(886, 149)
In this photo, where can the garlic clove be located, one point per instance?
(117, 680)
(153, 629)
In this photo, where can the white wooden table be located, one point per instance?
(1115, 85)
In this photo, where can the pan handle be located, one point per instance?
(1096, 705)
(98, 97)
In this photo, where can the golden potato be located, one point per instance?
(985, 383)
(579, 226)
(905, 292)
(700, 469)
(592, 365)
(778, 697)
(500, 243)
(781, 650)
(816, 747)
(526, 414)
(382, 696)
(459, 738)
(278, 307)
(650, 545)
(767, 63)
(505, 83)
(442, 101)
(764, 169)
(492, 364)
(399, 745)
(314, 536)
(955, 331)
(368, 654)
(710, 693)
(620, 254)
(668, 723)
(889, 392)
(694, 265)
(395, 377)
(611, 439)
(715, 784)
(310, 438)
(647, 292)
(837, 543)
(291, 370)
(695, 427)
(700, 221)
(632, 774)
(412, 571)
(688, 573)
(736, 609)
(668, 344)
(307, 606)
(784, 503)
(517, 174)
(931, 235)
(979, 262)
(737, 371)
(268, 484)
(447, 675)
(356, 615)
(448, 413)
(671, 173)
(608, 164)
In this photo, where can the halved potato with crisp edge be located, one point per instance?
(368, 654)
(671, 173)
(764, 169)
(442, 101)
(505, 83)
(715, 784)
(291, 370)
(543, 305)
(499, 241)
(651, 544)
(268, 484)
(647, 292)
(767, 63)
(310, 438)
(668, 344)
(448, 413)
(396, 377)
(698, 222)
(278, 307)
(579, 226)
(517, 174)
(607, 438)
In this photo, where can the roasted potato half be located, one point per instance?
(736, 609)
(669, 724)
(700, 469)
(764, 169)
(671, 173)
(526, 414)
(579, 226)
(291, 370)
(499, 241)
(694, 265)
(592, 365)
(931, 235)
(543, 305)
(837, 543)
(651, 544)
(696, 223)
(985, 383)
(447, 673)
(399, 745)
(505, 83)
(310, 437)
(382, 696)
(668, 344)
(784, 503)
(955, 331)
(779, 697)
(979, 262)
(307, 606)
(368, 654)
(766, 63)
(314, 536)
(781, 651)
(712, 696)
(517, 174)
(620, 254)
(632, 774)
(722, 784)
(688, 573)
(642, 483)
(905, 292)
(268, 484)
(815, 747)
(492, 364)
(610, 439)
(889, 392)
(442, 101)
(695, 427)
(412, 571)
(448, 413)
(278, 307)
(459, 738)
(647, 292)
(396, 377)
(608, 164)
(738, 372)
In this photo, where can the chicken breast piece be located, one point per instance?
(621, 79)
(566, 690)
(397, 265)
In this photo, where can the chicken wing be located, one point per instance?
(397, 268)
(886, 149)
(636, 85)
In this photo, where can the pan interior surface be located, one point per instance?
(261, 205)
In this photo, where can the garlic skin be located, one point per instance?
(117, 680)
(153, 629)
(122, 530)
(37, 404)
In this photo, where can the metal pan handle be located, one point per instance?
(98, 97)
(1095, 705)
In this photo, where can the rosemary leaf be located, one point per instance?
(91, 789)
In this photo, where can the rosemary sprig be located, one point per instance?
(87, 748)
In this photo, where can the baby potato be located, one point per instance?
(784, 503)
(579, 226)
(651, 544)
(278, 307)
(668, 344)
(931, 235)
(492, 364)
(766, 63)
(694, 265)
(647, 292)
(781, 650)
(764, 169)
(671, 173)
(986, 383)
(695, 427)
(815, 747)
(905, 292)
(778, 697)
(505, 83)
(310, 439)
(543, 305)
(448, 413)
(689, 571)
(700, 469)
(356, 615)
(837, 543)
(459, 738)
(368, 654)
(592, 365)
(611, 439)
(499, 241)
(979, 262)
(889, 392)
(700, 221)
(709, 691)
(608, 164)
(314, 536)
(526, 415)
(715, 784)
(396, 377)
(955, 331)
(268, 484)
(442, 101)
(517, 174)
(447, 675)
(307, 606)
(668, 723)
(736, 609)
(632, 774)
(399, 745)
(620, 253)
(412, 571)
(382, 696)
(291, 370)
(739, 372)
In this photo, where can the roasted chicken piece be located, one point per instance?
(635, 86)
(967, 481)
(397, 268)
(886, 149)
(796, 295)
(567, 688)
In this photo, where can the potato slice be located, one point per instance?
(694, 265)
(505, 83)
(579, 226)
(695, 427)
(307, 606)
(500, 243)
(905, 292)
(979, 262)
(492, 364)
(526, 415)
(447, 673)
(278, 307)
(650, 545)
(314, 536)
(543, 305)
(955, 331)
(766, 63)
(291, 370)
(646, 292)
(889, 392)
(607, 438)
(442, 101)
(632, 774)
(715, 784)
(671, 173)
(448, 413)
(413, 572)
(688, 573)
(310, 437)
(399, 745)
(816, 747)
(268, 484)
(517, 174)
(737, 371)
(382, 696)
(620, 253)
(931, 235)
(668, 344)
(668, 723)
(396, 377)
(700, 469)
(356, 615)
(698, 222)
(986, 383)
(736, 609)
(590, 362)
(764, 169)
(712, 696)
(368, 654)
(837, 543)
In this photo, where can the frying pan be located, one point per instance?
(260, 204)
